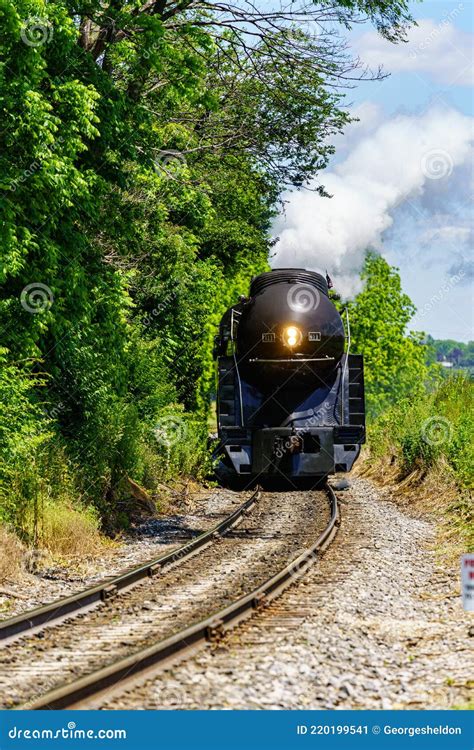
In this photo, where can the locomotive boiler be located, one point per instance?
(290, 396)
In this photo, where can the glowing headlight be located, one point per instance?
(292, 336)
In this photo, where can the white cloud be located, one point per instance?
(367, 117)
(438, 49)
(447, 233)
(403, 158)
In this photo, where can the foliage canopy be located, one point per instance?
(143, 149)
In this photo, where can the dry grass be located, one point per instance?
(12, 555)
(432, 494)
(422, 449)
(70, 533)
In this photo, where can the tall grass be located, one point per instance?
(69, 531)
(46, 501)
(426, 444)
(437, 426)
(12, 553)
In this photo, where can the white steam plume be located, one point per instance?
(401, 159)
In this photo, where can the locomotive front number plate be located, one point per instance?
(314, 336)
(268, 338)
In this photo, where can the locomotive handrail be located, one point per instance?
(236, 364)
(344, 369)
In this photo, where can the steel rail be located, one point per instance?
(111, 586)
(176, 646)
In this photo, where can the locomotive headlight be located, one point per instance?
(292, 336)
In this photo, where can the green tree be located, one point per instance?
(143, 149)
(395, 359)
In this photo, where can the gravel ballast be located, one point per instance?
(147, 541)
(375, 624)
(275, 530)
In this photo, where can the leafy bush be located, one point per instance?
(438, 424)
(23, 434)
(178, 445)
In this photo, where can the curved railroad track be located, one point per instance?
(50, 614)
(103, 651)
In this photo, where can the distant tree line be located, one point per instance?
(458, 353)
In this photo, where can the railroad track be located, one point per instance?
(55, 612)
(178, 637)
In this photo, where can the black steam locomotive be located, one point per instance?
(290, 396)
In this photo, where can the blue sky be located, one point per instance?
(413, 90)
(402, 176)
